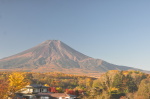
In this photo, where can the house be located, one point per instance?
(34, 91)
(30, 91)
(34, 88)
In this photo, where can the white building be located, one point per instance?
(34, 91)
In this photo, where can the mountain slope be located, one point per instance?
(54, 55)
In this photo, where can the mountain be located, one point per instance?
(54, 55)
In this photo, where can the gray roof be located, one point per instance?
(36, 86)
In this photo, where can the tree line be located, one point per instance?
(113, 84)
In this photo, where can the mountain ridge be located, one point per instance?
(54, 55)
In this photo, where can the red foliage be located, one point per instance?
(74, 92)
(53, 89)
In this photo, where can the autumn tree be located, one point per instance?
(3, 89)
(17, 80)
(89, 82)
(117, 83)
(144, 89)
(53, 89)
(59, 89)
(131, 85)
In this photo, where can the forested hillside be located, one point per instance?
(110, 85)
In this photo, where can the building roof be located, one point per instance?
(56, 95)
(59, 95)
(36, 86)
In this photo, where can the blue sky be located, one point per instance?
(117, 31)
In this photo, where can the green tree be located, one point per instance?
(131, 85)
(144, 89)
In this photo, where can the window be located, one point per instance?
(44, 90)
(35, 90)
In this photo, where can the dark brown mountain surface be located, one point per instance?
(54, 55)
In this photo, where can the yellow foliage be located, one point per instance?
(59, 89)
(113, 71)
(88, 82)
(46, 85)
(125, 72)
(17, 80)
(114, 89)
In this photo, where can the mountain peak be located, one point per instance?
(51, 41)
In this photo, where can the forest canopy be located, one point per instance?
(113, 84)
